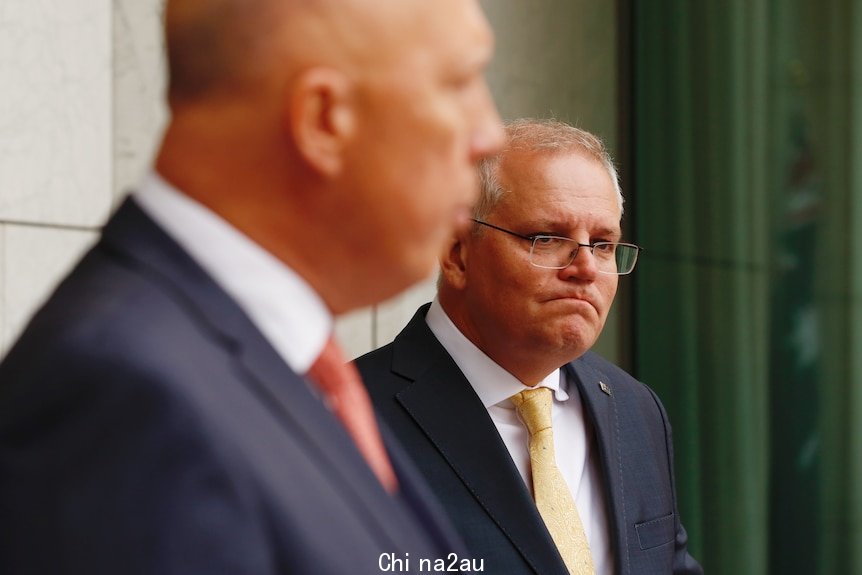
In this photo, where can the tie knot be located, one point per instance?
(534, 408)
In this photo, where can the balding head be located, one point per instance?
(218, 47)
(211, 45)
(338, 134)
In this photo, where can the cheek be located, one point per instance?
(520, 300)
(444, 128)
(608, 291)
(437, 180)
(491, 285)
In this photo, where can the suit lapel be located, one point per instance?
(597, 393)
(421, 500)
(134, 238)
(443, 404)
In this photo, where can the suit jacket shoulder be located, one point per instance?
(420, 392)
(147, 426)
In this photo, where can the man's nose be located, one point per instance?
(583, 265)
(489, 136)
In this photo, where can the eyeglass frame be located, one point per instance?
(532, 239)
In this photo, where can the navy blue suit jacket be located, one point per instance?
(147, 427)
(427, 401)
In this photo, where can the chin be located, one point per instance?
(576, 340)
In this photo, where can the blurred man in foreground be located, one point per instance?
(178, 405)
(549, 459)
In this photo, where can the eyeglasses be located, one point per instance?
(556, 253)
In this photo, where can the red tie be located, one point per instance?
(341, 384)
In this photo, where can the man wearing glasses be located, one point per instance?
(549, 459)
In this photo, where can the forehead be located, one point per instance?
(566, 188)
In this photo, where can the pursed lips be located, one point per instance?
(576, 297)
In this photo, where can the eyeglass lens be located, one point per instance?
(558, 253)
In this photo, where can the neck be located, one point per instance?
(256, 182)
(529, 367)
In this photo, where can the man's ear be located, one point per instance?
(321, 118)
(453, 262)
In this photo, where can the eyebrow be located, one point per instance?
(610, 232)
(557, 225)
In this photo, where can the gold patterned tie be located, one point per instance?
(550, 491)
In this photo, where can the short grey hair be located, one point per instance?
(542, 136)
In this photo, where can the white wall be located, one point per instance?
(55, 144)
(81, 113)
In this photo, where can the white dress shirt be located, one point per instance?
(279, 302)
(573, 446)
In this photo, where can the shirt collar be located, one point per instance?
(289, 313)
(493, 384)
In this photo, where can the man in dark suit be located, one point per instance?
(178, 406)
(494, 392)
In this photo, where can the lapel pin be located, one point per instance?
(605, 388)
